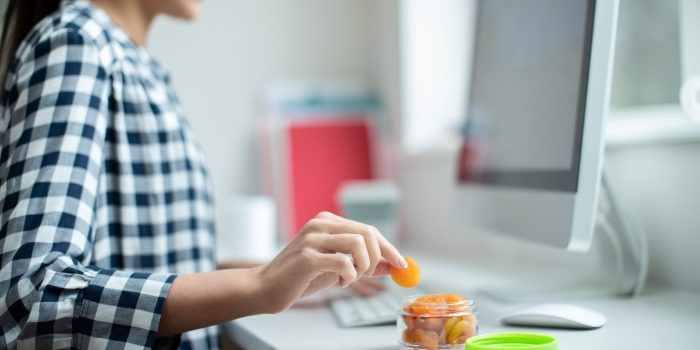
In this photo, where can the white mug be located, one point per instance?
(249, 230)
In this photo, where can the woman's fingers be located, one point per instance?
(311, 261)
(390, 253)
(331, 223)
(373, 249)
(382, 268)
(340, 264)
(346, 243)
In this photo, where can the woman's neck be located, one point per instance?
(133, 16)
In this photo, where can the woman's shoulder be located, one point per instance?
(76, 23)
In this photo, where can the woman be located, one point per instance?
(106, 219)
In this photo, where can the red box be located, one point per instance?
(309, 158)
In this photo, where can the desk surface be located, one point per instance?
(670, 316)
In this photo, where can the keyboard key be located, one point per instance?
(375, 310)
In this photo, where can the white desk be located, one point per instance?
(669, 317)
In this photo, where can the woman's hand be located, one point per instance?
(329, 250)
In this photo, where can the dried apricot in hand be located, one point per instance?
(408, 277)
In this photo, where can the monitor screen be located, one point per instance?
(532, 155)
(528, 94)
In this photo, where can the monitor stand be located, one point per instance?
(627, 252)
(628, 241)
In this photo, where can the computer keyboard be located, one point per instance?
(378, 309)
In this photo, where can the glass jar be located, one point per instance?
(436, 321)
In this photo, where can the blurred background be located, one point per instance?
(414, 57)
(249, 72)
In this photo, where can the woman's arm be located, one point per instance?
(204, 299)
(318, 257)
(236, 264)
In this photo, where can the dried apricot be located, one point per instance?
(428, 340)
(470, 331)
(408, 277)
(410, 321)
(447, 328)
(456, 334)
(429, 323)
(407, 335)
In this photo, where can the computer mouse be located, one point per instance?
(556, 316)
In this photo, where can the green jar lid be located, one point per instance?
(511, 341)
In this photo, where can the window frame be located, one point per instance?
(663, 123)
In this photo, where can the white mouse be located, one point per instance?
(556, 316)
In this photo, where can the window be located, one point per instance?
(647, 68)
(657, 50)
(435, 39)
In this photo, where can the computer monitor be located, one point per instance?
(532, 154)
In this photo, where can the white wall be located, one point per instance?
(435, 43)
(220, 62)
(661, 183)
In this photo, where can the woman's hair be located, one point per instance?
(21, 16)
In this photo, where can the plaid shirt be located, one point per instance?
(104, 193)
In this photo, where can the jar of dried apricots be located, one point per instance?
(436, 321)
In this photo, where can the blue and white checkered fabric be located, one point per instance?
(104, 193)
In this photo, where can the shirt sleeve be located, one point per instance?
(55, 115)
